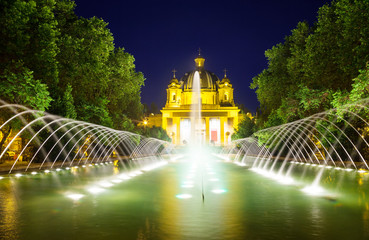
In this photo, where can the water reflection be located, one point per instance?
(240, 204)
(9, 212)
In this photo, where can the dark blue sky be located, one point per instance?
(233, 34)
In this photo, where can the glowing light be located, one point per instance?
(75, 196)
(18, 175)
(83, 166)
(75, 166)
(264, 172)
(124, 177)
(308, 164)
(219, 191)
(349, 169)
(90, 165)
(313, 190)
(33, 173)
(286, 180)
(117, 180)
(362, 171)
(214, 179)
(313, 164)
(338, 168)
(148, 168)
(254, 169)
(67, 168)
(1, 177)
(187, 185)
(95, 190)
(105, 184)
(47, 171)
(321, 166)
(183, 196)
(241, 164)
(328, 167)
(58, 169)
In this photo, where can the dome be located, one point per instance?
(208, 80)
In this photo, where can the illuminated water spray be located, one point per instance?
(196, 133)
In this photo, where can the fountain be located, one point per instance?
(54, 142)
(84, 180)
(197, 135)
(335, 139)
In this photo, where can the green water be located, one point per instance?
(246, 205)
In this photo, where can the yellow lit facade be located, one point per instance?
(219, 115)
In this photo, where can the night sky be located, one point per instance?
(166, 35)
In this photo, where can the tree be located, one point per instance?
(271, 84)
(19, 86)
(245, 129)
(68, 103)
(106, 86)
(156, 132)
(313, 64)
(29, 36)
(85, 47)
(124, 87)
(87, 77)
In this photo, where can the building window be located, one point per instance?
(173, 97)
(226, 97)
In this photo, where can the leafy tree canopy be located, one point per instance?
(314, 68)
(69, 61)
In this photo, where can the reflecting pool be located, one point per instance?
(182, 200)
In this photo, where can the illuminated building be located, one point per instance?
(219, 115)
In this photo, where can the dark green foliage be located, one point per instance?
(316, 69)
(156, 132)
(46, 48)
(245, 129)
(315, 65)
(68, 103)
(19, 86)
(29, 35)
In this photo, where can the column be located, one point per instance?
(178, 130)
(222, 130)
(164, 122)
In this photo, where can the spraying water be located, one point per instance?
(196, 134)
